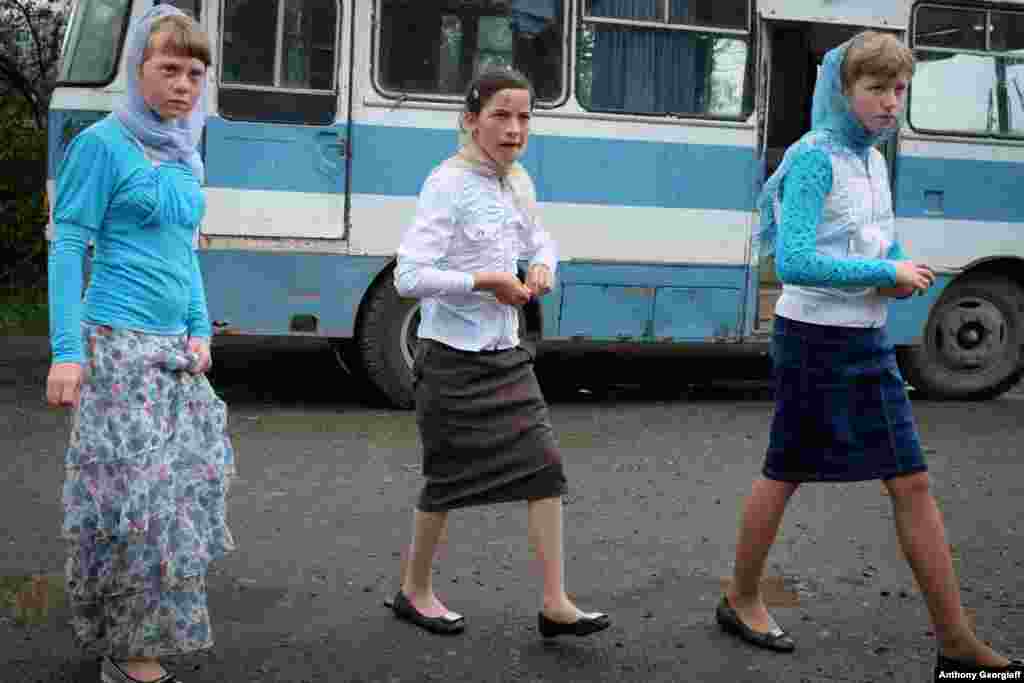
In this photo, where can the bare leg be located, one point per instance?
(417, 583)
(922, 535)
(404, 562)
(762, 515)
(545, 531)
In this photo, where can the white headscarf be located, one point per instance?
(174, 140)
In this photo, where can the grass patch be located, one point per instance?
(24, 312)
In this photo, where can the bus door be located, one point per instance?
(277, 138)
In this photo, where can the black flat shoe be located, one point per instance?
(583, 626)
(776, 639)
(443, 625)
(948, 665)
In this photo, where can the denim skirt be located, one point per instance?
(841, 409)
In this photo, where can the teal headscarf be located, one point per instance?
(835, 129)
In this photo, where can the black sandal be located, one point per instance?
(776, 639)
(949, 665)
(442, 625)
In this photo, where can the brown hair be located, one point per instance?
(881, 55)
(184, 38)
(490, 81)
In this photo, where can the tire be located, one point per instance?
(386, 342)
(972, 341)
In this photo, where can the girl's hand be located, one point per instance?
(915, 276)
(896, 292)
(506, 287)
(200, 347)
(64, 385)
(539, 279)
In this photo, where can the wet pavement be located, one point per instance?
(659, 462)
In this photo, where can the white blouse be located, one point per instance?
(467, 223)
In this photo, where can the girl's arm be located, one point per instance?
(426, 242)
(798, 261)
(85, 184)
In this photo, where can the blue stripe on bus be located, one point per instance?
(970, 190)
(395, 161)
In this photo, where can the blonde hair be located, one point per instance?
(184, 38)
(876, 54)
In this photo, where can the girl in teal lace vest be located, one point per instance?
(842, 413)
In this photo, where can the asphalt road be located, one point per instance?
(658, 462)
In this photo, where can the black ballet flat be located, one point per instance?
(776, 639)
(949, 665)
(584, 626)
(442, 625)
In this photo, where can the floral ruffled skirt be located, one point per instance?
(148, 471)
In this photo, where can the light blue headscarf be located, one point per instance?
(835, 129)
(176, 140)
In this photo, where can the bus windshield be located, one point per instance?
(92, 43)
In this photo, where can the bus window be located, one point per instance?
(968, 80)
(435, 48)
(189, 7)
(689, 58)
(92, 43)
(279, 61)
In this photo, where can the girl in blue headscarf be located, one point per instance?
(841, 412)
(149, 460)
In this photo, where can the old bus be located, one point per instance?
(656, 122)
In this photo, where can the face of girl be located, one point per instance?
(502, 127)
(877, 102)
(170, 83)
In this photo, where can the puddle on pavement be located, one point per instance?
(32, 600)
(775, 591)
(380, 429)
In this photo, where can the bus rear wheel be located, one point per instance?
(972, 341)
(386, 342)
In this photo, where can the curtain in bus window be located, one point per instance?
(643, 10)
(648, 70)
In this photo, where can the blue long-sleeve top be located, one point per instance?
(143, 220)
(798, 260)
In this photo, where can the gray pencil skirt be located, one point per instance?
(486, 434)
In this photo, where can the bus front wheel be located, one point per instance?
(972, 342)
(386, 342)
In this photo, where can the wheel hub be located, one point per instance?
(971, 334)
